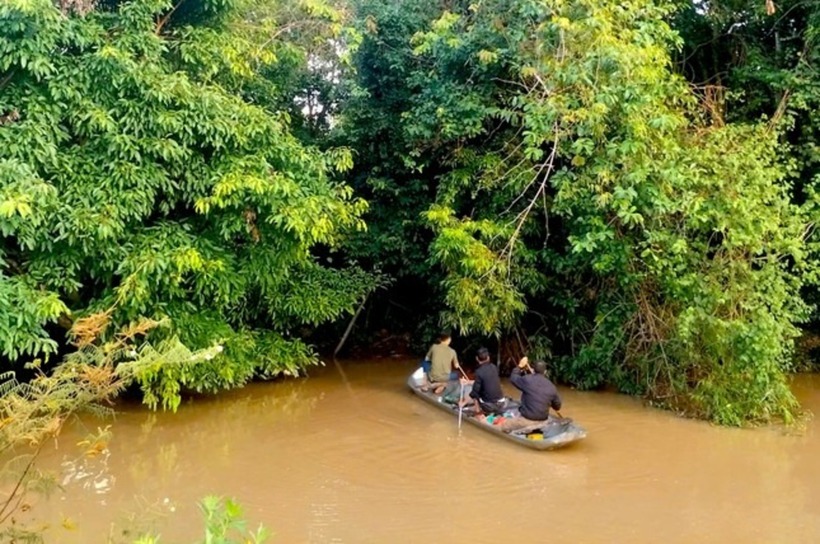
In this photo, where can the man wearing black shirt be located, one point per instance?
(486, 392)
(538, 395)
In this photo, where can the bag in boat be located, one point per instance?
(418, 377)
(452, 392)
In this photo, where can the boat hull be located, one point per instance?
(556, 432)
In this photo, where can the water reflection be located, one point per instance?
(89, 473)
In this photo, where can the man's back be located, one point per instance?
(442, 357)
(538, 394)
(487, 385)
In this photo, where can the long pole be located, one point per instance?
(460, 406)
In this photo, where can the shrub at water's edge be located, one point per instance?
(33, 413)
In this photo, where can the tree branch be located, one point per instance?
(6, 79)
(167, 16)
(4, 514)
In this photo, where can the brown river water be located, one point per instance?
(350, 456)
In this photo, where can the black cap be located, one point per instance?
(483, 355)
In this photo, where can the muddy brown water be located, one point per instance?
(350, 456)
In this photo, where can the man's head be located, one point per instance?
(444, 338)
(540, 368)
(482, 356)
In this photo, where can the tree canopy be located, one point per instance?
(626, 187)
(585, 192)
(140, 175)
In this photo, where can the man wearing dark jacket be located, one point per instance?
(538, 395)
(486, 392)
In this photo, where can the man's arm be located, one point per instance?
(556, 402)
(517, 379)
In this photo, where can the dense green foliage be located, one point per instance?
(628, 186)
(746, 63)
(140, 173)
(586, 194)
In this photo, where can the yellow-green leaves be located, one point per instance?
(479, 290)
(487, 57)
(12, 206)
(155, 168)
(442, 32)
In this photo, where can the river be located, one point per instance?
(349, 456)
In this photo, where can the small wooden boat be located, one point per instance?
(554, 433)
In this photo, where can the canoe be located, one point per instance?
(555, 433)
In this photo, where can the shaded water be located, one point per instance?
(356, 458)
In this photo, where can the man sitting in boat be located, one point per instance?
(486, 392)
(538, 395)
(443, 361)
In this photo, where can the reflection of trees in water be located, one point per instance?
(88, 473)
(164, 449)
(157, 463)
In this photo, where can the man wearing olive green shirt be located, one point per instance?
(443, 360)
